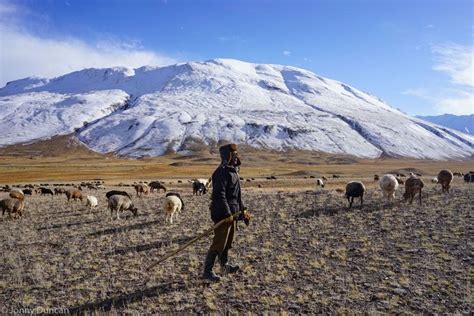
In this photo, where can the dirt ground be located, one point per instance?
(304, 251)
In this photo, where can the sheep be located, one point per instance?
(74, 194)
(389, 184)
(320, 183)
(179, 196)
(434, 180)
(355, 189)
(120, 203)
(199, 188)
(115, 192)
(17, 194)
(91, 201)
(469, 177)
(413, 185)
(12, 206)
(172, 205)
(142, 189)
(444, 178)
(376, 177)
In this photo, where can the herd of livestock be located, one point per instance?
(119, 201)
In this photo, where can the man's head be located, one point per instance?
(229, 155)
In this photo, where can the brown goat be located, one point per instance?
(444, 178)
(142, 189)
(74, 194)
(12, 206)
(413, 185)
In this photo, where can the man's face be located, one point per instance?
(234, 159)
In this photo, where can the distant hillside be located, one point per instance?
(463, 123)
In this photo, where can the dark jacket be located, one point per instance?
(226, 193)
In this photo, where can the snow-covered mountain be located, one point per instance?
(150, 111)
(463, 123)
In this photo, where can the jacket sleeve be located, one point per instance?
(241, 204)
(219, 191)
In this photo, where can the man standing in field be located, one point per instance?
(226, 202)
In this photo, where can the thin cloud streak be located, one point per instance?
(456, 61)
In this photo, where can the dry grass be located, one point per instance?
(304, 252)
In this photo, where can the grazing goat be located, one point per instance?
(172, 206)
(74, 194)
(59, 191)
(355, 189)
(389, 184)
(115, 192)
(179, 196)
(444, 178)
(44, 191)
(120, 203)
(91, 202)
(28, 192)
(142, 189)
(320, 183)
(413, 185)
(325, 179)
(14, 206)
(156, 185)
(199, 188)
(376, 177)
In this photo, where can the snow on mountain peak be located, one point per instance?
(150, 111)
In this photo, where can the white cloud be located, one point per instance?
(286, 53)
(462, 104)
(456, 61)
(23, 54)
(420, 93)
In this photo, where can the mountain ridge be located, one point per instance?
(151, 111)
(462, 123)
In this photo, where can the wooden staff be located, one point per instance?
(189, 243)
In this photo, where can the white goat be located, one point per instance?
(172, 206)
(91, 202)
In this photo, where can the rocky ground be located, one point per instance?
(304, 252)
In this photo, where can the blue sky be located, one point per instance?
(416, 55)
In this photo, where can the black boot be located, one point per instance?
(208, 265)
(228, 268)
